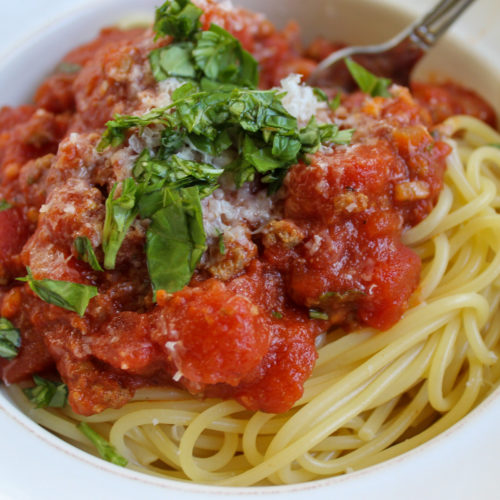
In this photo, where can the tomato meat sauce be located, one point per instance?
(245, 327)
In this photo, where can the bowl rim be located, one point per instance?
(25, 424)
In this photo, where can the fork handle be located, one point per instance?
(432, 26)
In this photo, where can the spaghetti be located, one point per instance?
(372, 395)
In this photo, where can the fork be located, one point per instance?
(410, 44)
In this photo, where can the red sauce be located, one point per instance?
(248, 336)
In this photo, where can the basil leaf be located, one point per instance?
(71, 296)
(286, 148)
(174, 172)
(222, 246)
(320, 94)
(314, 314)
(368, 82)
(277, 314)
(47, 394)
(213, 148)
(255, 110)
(120, 213)
(261, 158)
(171, 142)
(335, 102)
(4, 205)
(10, 339)
(175, 240)
(105, 450)
(86, 253)
(178, 18)
(117, 128)
(222, 58)
(494, 145)
(313, 135)
(172, 61)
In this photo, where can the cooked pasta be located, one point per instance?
(372, 395)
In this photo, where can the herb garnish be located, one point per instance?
(47, 393)
(71, 296)
(277, 314)
(213, 54)
(106, 450)
(175, 240)
(120, 213)
(4, 205)
(10, 339)
(222, 245)
(177, 18)
(218, 108)
(86, 252)
(315, 314)
(368, 82)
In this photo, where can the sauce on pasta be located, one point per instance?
(327, 252)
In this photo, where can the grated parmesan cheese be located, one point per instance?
(227, 210)
(300, 100)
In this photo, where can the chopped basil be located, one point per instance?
(86, 253)
(106, 450)
(175, 240)
(10, 339)
(174, 172)
(335, 102)
(116, 128)
(177, 18)
(315, 314)
(320, 94)
(217, 109)
(4, 205)
(47, 394)
(277, 314)
(120, 213)
(221, 58)
(222, 245)
(71, 296)
(313, 135)
(494, 145)
(368, 82)
(173, 60)
(214, 54)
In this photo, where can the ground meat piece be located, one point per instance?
(232, 255)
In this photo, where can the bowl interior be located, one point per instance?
(465, 56)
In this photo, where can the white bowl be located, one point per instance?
(460, 463)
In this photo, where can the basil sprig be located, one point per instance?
(105, 449)
(46, 393)
(368, 82)
(85, 251)
(10, 339)
(4, 205)
(71, 296)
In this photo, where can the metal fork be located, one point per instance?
(417, 39)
